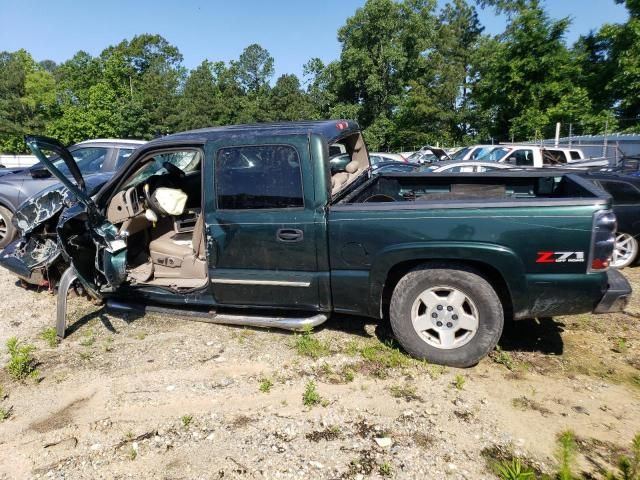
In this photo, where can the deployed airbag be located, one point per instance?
(170, 200)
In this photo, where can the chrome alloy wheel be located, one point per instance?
(625, 250)
(445, 317)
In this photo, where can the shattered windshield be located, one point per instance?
(185, 160)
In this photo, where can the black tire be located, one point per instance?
(7, 230)
(474, 286)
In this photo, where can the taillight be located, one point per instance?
(603, 239)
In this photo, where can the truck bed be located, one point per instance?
(471, 187)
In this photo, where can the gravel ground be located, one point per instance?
(161, 397)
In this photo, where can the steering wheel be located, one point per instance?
(173, 170)
(153, 205)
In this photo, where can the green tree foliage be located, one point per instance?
(288, 101)
(254, 68)
(412, 72)
(527, 79)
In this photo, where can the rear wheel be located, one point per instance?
(7, 230)
(625, 250)
(446, 314)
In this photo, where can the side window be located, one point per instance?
(123, 156)
(90, 159)
(258, 177)
(522, 157)
(622, 192)
(553, 157)
(575, 155)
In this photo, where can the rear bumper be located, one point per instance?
(616, 296)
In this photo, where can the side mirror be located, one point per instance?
(512, 160)
(40, 172)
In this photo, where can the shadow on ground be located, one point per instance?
(541, 335)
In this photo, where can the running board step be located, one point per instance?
(285, 323)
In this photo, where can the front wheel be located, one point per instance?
(446, 314)
(625, 250)
(7, 230)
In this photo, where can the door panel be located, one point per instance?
(261, 226)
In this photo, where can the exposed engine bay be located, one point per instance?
(154, 234)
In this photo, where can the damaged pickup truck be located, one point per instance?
(247, 225)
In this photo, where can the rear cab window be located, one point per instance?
(521, 157)
(258, 177)
(553, 157)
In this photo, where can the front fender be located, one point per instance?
(504, 260)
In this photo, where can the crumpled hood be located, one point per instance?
(43, 205)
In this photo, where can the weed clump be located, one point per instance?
(265, 385)
(186, 420)
(406, 391)
(459, 381)
(309, 346)
(50, 336)
(311, 397)
(22, 363)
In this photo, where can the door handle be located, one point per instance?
(290, 235)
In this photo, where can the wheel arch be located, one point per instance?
(500, 266)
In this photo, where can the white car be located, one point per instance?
(533, 156)
(473, 152)
(378, 157)
(465, 167)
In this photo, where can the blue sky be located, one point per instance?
(292, 30)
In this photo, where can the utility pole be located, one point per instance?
(570, 133)
(604, 144)
(557, 134)
(131, 87)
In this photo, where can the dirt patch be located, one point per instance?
(160, 397)
(60, 418)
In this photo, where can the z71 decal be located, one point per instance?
(560, 257)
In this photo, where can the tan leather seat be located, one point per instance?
(341, 179)
(178, 255)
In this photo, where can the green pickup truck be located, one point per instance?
(248, 225)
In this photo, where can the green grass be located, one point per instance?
(514, 470)
(406, 391)
(311, 397)
(459, 381)
(385, 469)
(132, 454)
(385, 354)
(4, 413)
(348, 374)
(565, 455)
(503, 358)
(309, 346)
(621, 346)
(186, 420)
(265, 385)
(22, 363)
(50, 336)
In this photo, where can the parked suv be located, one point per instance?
(93, 157)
